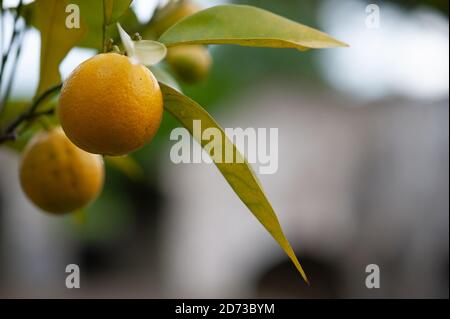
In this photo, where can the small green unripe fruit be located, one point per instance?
(191, 63)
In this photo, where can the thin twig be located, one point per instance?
(15, 32)
(42, 113)
(16, 57)
(31, 113)
(104, 39)
(2, 25)
(7, 137)
(104, 28)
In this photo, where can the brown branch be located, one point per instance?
(16, 57)
(7, 137)
(5, 56)
(10, 131)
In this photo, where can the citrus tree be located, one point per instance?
(112, 104)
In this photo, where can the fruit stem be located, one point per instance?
(104, 39)
(104, 44)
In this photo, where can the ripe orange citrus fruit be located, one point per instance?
(57, 176)
(110, 106)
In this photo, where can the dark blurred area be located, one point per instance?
(363, 177)
(436, 4)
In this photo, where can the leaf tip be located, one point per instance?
(303, 274)
(305, 278)
(342, 44)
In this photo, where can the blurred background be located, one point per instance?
(363, 174)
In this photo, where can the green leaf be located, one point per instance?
(247, 26)
(91, 13)
(238, 173)
(114, 9)
(56, 39)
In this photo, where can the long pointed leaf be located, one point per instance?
(247, 26)
(56, 40)
(114, 9)
(238, 174)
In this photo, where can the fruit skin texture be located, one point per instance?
(191, 63)
(57, 176)
(110, 106)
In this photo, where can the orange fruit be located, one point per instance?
(110, 106)
(191, 63)
(171, 14)
(57, 176)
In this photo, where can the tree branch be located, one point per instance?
(103, 48)
(2, 25)
(5, 55)
(10, 131)
(7, 137)
(16, 56)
